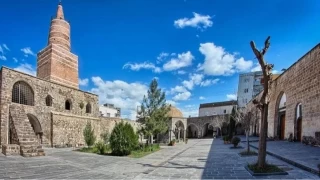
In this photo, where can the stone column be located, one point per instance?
(179, 134)
(184, 135)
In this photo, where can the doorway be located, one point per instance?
(282, 126)
(299, 129)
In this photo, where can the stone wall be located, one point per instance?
(200, 122)
(42, 89)
(301, 84)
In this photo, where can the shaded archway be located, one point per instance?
(207, 130)
(179, 130)
(280, 116)
(299, 122)
(192, 131)
(36, 126)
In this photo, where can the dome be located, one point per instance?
(174, 112)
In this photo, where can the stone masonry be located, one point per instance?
(55, 62)
(300, 83)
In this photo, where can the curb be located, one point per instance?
(298, 165)
(265, 174)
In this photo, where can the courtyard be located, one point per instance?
(199, 159)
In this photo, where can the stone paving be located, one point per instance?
(199, 159)
(306, 155)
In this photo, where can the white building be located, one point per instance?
(249, 86)
(109, 110)
(216, 108)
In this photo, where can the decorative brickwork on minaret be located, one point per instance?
(56, 63)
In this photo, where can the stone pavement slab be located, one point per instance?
(199, 159)
(297, 152)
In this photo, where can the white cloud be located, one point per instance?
(125, 95)
(15, 59)
(181, 72)
(172, 103)
(83, 82)
(1, 50)
(198, 21)
(256, 68)
(27, 51)
(3, 57)
(201, 98)
(178, 89)
(209, 82)
(162, 56)
(6, 47)
(183, 60)
(26, 68)
(220, 62)
(274, 71)
(190, 110)
(231, 96)
(182, 96)
(194, 79)
(144, 65)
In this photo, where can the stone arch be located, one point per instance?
(36, 126)
(68, 104)
(298, 122)
(280, 116)
(22, 93)
(179, 130)
(207, 130)
(192, 131)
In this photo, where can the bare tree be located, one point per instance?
(245, 117)
(219, 120)
(262, 104)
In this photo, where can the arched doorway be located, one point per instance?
(207, 130)
(179, 130)
(299, 122)
(36, 126)
(281, 111)
(192, 131)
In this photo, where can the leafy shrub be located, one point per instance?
(101, 147)
(105, 137)
(235, 141)
(123, 139)
(88, 134)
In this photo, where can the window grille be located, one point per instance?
(22, 93)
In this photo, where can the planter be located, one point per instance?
(265, 174)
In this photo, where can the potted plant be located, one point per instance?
(186, 140)
(225, 139)
(172, 142)
(235, 141)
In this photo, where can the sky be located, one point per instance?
(194, 48)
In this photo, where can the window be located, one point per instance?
(225, 111)
(246, 80)
(246, 90)
(88, 108)
(48, 100)
(22, 93)
(68, 105)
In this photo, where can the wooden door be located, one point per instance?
(283, 123)
(299, 129)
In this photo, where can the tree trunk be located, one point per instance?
(151, 139)
(248, 145)
(263, 137)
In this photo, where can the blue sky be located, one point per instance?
(196, 48)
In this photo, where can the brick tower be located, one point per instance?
(56, 63)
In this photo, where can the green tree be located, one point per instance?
(153, 112)
(123, 139)
(88, 134)
(232, 123)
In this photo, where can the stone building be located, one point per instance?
(294, 106)
(48, 110)
(216, 108)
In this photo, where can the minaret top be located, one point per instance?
(60, 11)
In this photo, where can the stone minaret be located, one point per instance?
(56, 63)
